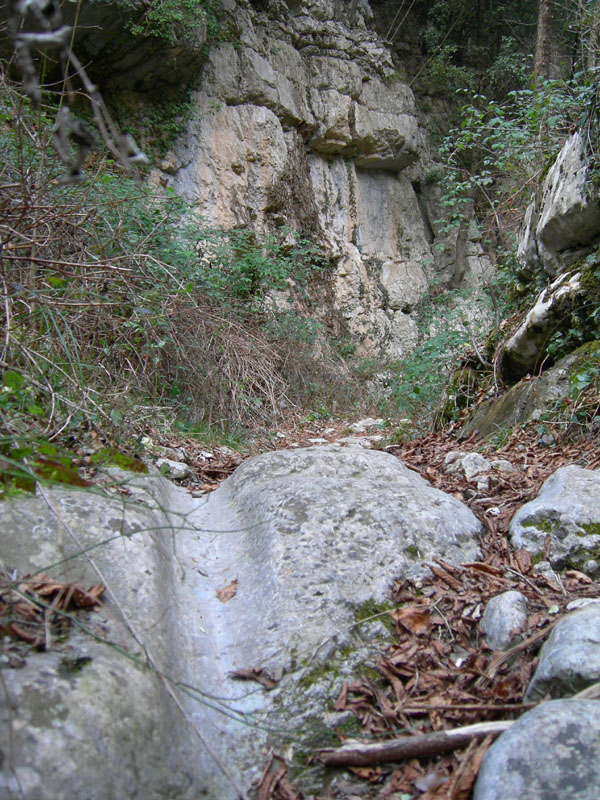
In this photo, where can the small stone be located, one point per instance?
(471, 464)
(502, 465)
(504, 614)
(173, 469)
(363, 425)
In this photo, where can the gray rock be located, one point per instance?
(570, 658)
(302, 538)
(550, 753)
(502, 465)
(567, 216)
(525, 401)
(567, 508)
(504, 614)
(470, 464)
(333, 526)
(176, 470)
(363, 425)
(525, 351)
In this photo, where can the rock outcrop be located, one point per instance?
(263, 576)
(564, 221)
(303, 124)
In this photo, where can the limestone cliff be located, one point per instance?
(301, 123)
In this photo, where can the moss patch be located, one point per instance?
(591, 528)
(110, 456)
(372, 610)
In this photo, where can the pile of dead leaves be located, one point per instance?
(35, 610)
(440, 674)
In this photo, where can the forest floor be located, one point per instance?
(439, 673)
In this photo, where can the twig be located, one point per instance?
(357, 754)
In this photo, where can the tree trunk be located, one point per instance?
(543, 45)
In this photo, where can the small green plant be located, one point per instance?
(174, 21)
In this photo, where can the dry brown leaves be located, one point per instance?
(257, 674)
(36, 609)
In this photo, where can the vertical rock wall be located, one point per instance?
(301, 123)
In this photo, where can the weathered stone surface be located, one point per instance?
(567, 508)
(333, 525)
(504, 616)
(301, 538)
(525, 351)
(550, 753)
(525, 401)
(570, 658)
(567, 217)
(85, 704)
(303, 125)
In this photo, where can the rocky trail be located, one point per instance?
(414, 688)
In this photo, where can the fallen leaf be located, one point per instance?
(415, 619)
(227, 592)
(340, 703)
(255, 674)
(371, 774)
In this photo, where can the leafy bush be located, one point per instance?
(174, 21)
(419, 380)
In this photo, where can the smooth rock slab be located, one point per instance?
(504, 614)
(323, 530)
(567, 509)
(570, 658)
(300, 537)
(550, 753)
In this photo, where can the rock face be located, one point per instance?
(564, 221)
(265, 573)
(567, 509)
(570, 658)
(525, 351)
(549, 753)
(302, 124)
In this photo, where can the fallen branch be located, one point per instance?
(360, 754)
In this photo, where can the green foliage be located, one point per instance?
(471, 45)
(156, 125)
(500, 149)
(420, 378)
(174, 21)
(233, 266)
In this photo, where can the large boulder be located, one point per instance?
(566, 511)
(265, 575)
(530, 398)
(565, 220)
